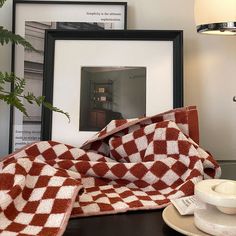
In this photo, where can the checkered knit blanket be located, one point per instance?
(134, 164)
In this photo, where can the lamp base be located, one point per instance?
(214, 222)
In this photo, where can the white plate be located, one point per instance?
(182, 224)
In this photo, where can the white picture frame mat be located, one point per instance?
(71, 12)
(71, 55)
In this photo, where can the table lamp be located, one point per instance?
(219, 217)
(215, 16)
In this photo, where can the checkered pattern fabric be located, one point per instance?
(35, 198)
(131, 165)
(185, 117)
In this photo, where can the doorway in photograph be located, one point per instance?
(111, 93)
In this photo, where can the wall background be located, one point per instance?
(209, 71)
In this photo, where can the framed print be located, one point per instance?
(100, 76)
(30, 19)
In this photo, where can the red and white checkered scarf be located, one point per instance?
(135, 164)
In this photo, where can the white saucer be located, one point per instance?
(182, 224)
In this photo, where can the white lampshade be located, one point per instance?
(215, 16)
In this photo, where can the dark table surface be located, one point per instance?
(138, 223)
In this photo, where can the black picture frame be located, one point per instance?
(15, 118)
(174, 37)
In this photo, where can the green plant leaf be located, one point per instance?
(16, 96)
(7, 36)
(52, 108)
(10, 99)
(2, 2)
